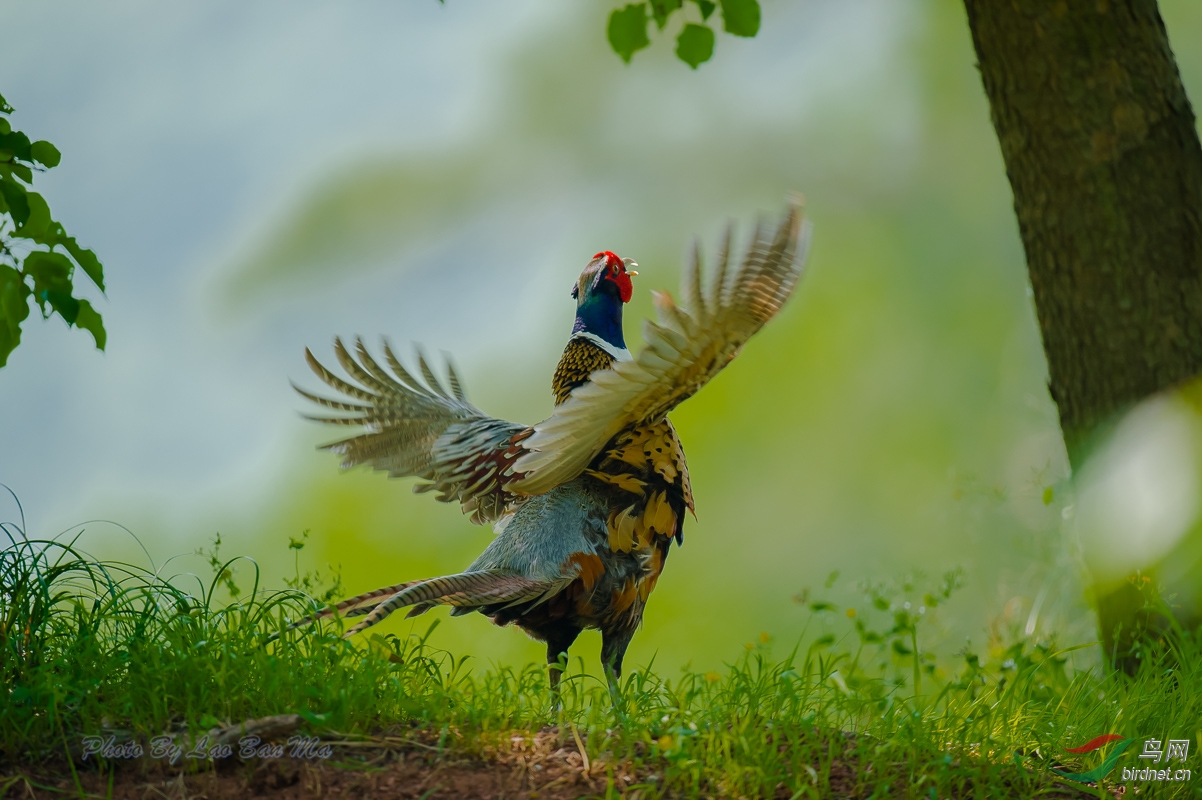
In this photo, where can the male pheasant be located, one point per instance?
(587, 502)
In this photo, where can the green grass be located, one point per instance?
(87, 645)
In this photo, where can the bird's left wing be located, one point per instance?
(687, 348)
(419, 428)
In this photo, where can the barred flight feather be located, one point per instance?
(420, 428)
(395, 364)
(684, 351)
(453, 379)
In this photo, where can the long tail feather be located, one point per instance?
(463, 590)
(352, 607)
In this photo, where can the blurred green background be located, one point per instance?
(259, 180)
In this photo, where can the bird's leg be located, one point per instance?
(558, 642)
(613, 650)
(555, 669)
(612, 676)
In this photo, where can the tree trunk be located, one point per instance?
(1103, 158)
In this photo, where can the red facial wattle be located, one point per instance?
(615, 271)
(625, 287)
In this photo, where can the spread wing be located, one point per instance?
(687, 348)
(419, 428)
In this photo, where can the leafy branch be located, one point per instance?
(627, 30)
(37, 257)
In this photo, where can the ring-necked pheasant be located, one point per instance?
(587, 502)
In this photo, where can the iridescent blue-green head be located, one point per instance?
(602, 289)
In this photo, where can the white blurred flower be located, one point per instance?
(1138, 495)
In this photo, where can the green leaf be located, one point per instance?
(86, 259)
(62, 302)
(14, 197)
(38, 219)
(90, 321)
(706, 8)
(45, 154)
(14, 308)
(695, 45)
(627, 30)
(51, 273)
(48, 270)
(869, 636)
(662, 9)
(741, 17)
(16, 143)
(21, 171)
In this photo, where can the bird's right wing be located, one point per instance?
(683, 352)
(419, 428)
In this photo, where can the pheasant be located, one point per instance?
(587, 502)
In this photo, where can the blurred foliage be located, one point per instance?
(37, 257)
(627, 30)
(361, 215)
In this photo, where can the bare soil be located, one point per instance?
(408, 765)
(544, 766)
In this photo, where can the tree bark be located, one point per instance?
(1103, 157)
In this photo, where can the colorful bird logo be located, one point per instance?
(1102, 770)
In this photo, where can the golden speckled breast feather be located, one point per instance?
(580, 359)
(646, 463)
